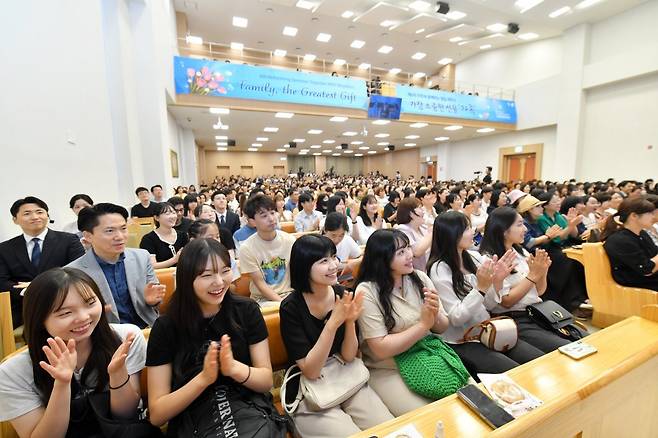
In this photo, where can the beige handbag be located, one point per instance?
(497, 334)
(338, 381)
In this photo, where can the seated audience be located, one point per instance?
(209, 354)
(526, 281)
(318, 320)
(454, 203)
(552, 216)
(283, 215)
(530, 209)
(77, 203)
(182, 222)
(411, 221)
(308, 218)
(464, 281)
(400, 308)
(207, 229)
(390, 209)
(164, 243)
(427, 198)
(347, 250)
(145, 208)
(368, 220)
(476, 213)
(190, 203)
(498, 199)
(124, 276)
(225, 218)
(72, 354)
(265, 256)
(293, 198)
(36, 250)
(158, 193)
(633, 255)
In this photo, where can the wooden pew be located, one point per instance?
(611, 301)
(136, 231)
(166, 276)
(612, 393)
(288, 227)
(7, 343)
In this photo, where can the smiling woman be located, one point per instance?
(164, 243)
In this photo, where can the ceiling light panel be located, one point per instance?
(240, 22)
(364, 66)
(219, 111)
(309, 57)
(558, 12)
(455, 15)
(528, 36)
(304, 4)
(385, 49)
(314, 131)
(452, 33)
(497, 27)
(419, 23)
(323, 37)
(453, 127)
(357, 44)
(338, 119)
(418, 56)
(290, 31)
(394, 71)
(381, 12)
(271, 129)
(284, 115)
(445, 61)
(280, 52)
(347, 14)
(526, 5)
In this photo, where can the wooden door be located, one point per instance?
(521, 167)
(247, 171)
(223, 171)
(431, 171)
(529, 167)
(279, 170)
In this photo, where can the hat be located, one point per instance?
(527, 203)
(515, 195)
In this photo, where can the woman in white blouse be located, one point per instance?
(527, 280)
(464, 281)
(411, 223)
(368, 220)
(427, 198)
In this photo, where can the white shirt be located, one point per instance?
(478, 219)
(234, 205)
(347, 249)
(531, 297)
(364, 230)
(306, 221)
(30, 244)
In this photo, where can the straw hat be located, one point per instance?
(527, 203)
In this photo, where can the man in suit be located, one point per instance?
(124, 276)
(225, 218)
(35, 251)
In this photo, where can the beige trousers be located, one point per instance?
(395, 394)
(361, 411)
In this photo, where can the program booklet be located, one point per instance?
(509, 395)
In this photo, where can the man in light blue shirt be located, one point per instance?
(308, 218)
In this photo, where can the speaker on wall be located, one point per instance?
(442, 7)
(512, 28)
(343, 145)
(390, 147)
(292, 144)
(230, 142)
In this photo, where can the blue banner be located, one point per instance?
(444, 104)
(213, 78)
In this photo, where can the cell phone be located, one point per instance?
(485, 407)
(577, 350)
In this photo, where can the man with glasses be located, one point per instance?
(182, 223)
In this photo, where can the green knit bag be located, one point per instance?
(431, 368)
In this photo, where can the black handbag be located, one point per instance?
(553, 317)
(224, 411)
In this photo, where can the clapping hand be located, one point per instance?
(154, 293)
(553, 232)
(210, 364)
(430, 309)
(118, 361)
(485, 275)
(227, 364)
(62, 359)
(504, 266)
(539, 264)
(353, 305)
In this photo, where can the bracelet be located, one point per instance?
(531, 281)
(122, 385)
(248, 375)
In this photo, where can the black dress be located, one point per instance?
(162, 250)
(630, 258)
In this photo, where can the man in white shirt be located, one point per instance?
(308, 219)
(158, 193)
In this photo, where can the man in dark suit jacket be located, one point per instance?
(225, 217)
(35, 251)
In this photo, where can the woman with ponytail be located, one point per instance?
(633, 255)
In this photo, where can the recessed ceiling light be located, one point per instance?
(410, 144)
(358, 155)
(327, 151)
(372, 152)
(441, 138)
(287, 145)
(421, 30)
(271, 129)
(314, 131)
(357, 142)
(381, 122)
(485, 130)
(221, 137)
(412, 137)
(219, 110)
(497, 27)
(240, 22)
(256, 145)
(309, 57)
(222, 149)
(323, 37)
(559, 12)
(485, 47)
(328, 141)
(586, 4)
(283, 158)
(394, 71)
(385, 49)
(262, 139)
(453, 127)
(303, 151)
(315, 146)
(420, 5)
(284, 115)
(299, 140)
(252, 149)
(349, 133)
(223, 127)
(461, 43)
(339, 61)
(305, 4)
(222, 143)
(445, 61)
(382, 143)
(382, 135)
(455, 39)
(347, 14)
(290, 31)
(418, 56)
(526, 5)
(348, 151)
(418, 125)
(418, 75)
(339, 147)
(364, 148)
(387, 23)
(357, 44)
(237, 46)
(338, 119)
(455, 15)
(193, 39)
(281, 150)
(280, 52)
(364, 66)
(528, 36)
(336, 154)
(317, 153)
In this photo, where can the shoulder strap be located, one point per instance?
(291, 373)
